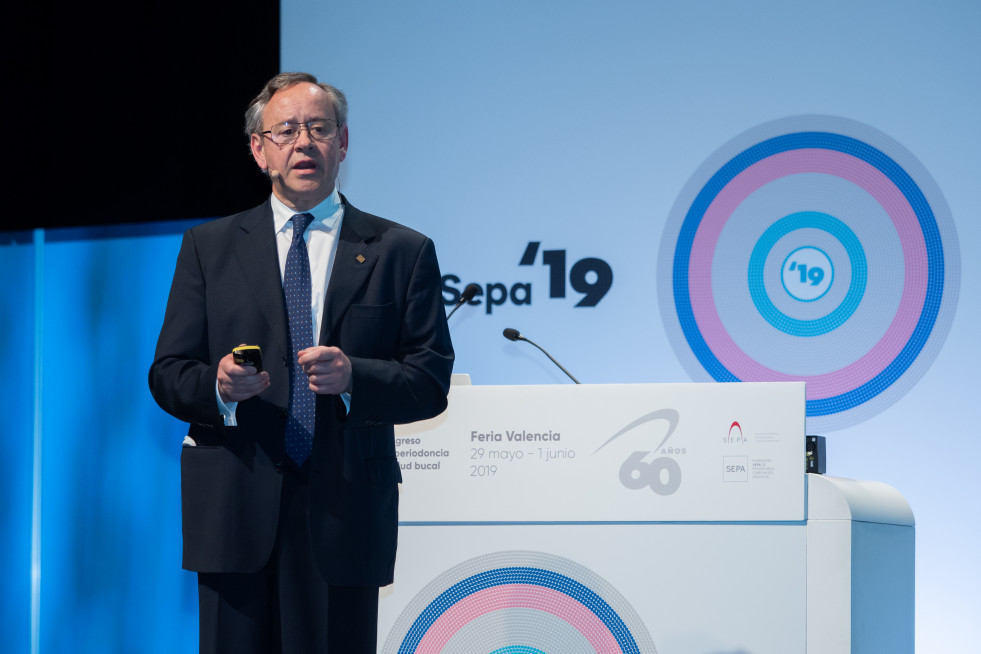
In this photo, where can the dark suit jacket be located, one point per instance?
(383, 309)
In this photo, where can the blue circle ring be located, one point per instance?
(520, 575)
(856, 289)
(917, 201)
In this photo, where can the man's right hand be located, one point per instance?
(237, 383)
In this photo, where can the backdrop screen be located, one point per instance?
(675, 191)
(652, 191)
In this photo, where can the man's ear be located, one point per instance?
(255, 143)
(342, 142)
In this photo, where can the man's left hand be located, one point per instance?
(328, 369)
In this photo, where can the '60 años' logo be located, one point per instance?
(663, 474)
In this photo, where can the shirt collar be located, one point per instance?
(325, 215)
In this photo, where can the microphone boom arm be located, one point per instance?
(552, 359)
(515, 335)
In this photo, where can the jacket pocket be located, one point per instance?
(384, 470)
(371, 311)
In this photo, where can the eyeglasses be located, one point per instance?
(286, 133)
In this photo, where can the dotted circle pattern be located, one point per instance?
(806, 162)
(549, 603)
(856, 290)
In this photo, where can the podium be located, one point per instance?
(669, 518)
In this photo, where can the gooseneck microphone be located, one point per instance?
(515, 335)
(468, 294)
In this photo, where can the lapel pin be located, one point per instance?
(360, 258)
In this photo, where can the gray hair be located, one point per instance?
(253, 115)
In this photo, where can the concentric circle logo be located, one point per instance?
(519, 602)
(811, 249)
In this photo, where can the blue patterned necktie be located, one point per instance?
(297, 288)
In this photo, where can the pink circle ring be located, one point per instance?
(905, 222)
(904, 202)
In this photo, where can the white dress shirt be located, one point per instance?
(321, 239)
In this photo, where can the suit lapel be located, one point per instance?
(255, 248)
(353, 263)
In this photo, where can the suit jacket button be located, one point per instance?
(286, 361)
(283, 413)
(279, 466)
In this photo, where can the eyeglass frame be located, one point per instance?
(300, 127)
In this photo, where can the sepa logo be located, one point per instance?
(590, 277)
(662, 474)
(735, 468)
(735, 435)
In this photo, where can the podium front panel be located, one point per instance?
(607, 453)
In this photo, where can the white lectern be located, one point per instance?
(670, 518)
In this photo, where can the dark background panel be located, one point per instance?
(126, 112)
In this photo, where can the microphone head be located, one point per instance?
(511, 334)
(469, 292)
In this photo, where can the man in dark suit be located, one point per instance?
(288, 474)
